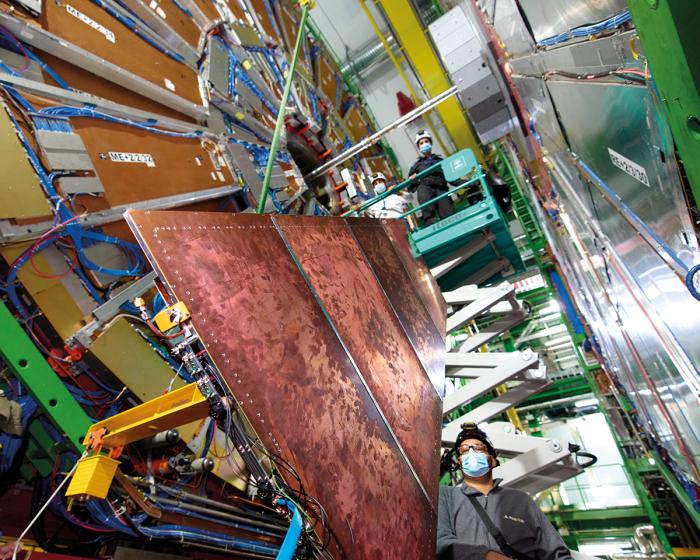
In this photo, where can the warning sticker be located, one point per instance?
(92, 23)
(126, 157)
(628, 166)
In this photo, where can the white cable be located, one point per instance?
(18, 544)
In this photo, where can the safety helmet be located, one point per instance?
(423, 135)
(471, 431)
(377, 177)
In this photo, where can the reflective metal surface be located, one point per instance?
(397, 285)
(422, 279)
(280, 333)
(355, 303)
(509, 25)
(551, 17)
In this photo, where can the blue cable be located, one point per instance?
(91, 113)
(131, 24)
(587, 30)
(690, 281)
(289, 545)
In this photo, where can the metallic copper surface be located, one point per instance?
(398, 285)
(291, 375)
(348, 291)
(423, 281)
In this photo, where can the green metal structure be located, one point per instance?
(26, 362)
(668, 31)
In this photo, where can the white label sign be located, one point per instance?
(126, 157)
(92, 23)
(628, 166)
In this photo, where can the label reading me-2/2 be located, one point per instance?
(126, 157)
(628, 166)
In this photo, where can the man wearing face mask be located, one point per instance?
(431, 185)
(393, 206)
(480, 519)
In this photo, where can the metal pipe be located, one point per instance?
(399, 69)
(363, 58)
(215, 513)
(283, 106)
(371, 140)
(555, 402)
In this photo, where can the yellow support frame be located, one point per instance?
(167, 411)
(417, 47)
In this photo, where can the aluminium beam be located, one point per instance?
(41, 39)
(509, 368)
(495, 329)
(500, 404)
(478, 301)
(462, 254)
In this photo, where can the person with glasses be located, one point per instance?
(479, 519)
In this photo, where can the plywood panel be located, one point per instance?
(292, 375)
(116, 43)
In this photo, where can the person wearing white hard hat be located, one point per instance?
(431, 185)
(393, 206)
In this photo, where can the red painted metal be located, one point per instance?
(309, 387)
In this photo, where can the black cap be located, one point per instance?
(471, 431)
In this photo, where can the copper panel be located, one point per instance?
(119, 45)
(208, 8)
(428, 342)
(348, 290)
(420, 274)
(291, 375)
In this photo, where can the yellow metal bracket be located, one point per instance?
(95, 472)
(171, 316)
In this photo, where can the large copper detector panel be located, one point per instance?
(422, 279)
(348, 291)
(293, 375)
(401, 291)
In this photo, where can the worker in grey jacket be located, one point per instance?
(480, 519)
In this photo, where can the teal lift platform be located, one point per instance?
(474, 244)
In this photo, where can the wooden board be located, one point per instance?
(119, 45)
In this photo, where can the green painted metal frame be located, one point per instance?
(29, 366)
(438, 241)
(668, 33)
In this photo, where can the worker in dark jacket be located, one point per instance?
(431, 185)
(480, 519)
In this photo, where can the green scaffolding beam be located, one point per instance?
(29, 366)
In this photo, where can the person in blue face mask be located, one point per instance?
(480, 519)
(431, 185)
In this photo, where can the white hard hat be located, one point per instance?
(377, 177)
(423, 135)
